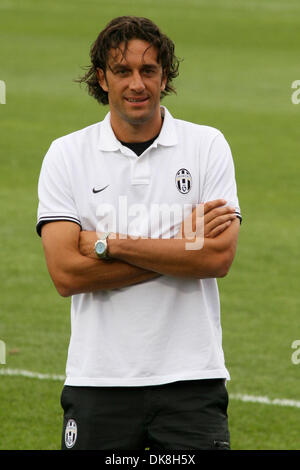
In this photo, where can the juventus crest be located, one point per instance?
(183, 180)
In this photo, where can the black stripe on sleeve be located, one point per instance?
(45, 220)
(239, 216)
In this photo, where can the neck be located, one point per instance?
(136, 131)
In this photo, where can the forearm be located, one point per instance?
(170, 256)
(209, 255)
(181, 257)
(83, 275)
(72, 272)
(202, 258)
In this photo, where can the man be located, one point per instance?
(145, 363)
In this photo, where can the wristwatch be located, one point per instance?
(101, 247)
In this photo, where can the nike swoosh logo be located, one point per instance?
(99, 190)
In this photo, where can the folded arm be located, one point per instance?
(73, 273)
(75, 268)
(194, 255)
(171, 256)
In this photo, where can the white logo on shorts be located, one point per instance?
(70, 433)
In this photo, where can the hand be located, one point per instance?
(210, 220)
(217, 218)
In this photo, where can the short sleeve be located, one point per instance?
(220, 182)
(56, 201)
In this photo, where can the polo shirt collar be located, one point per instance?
(167, 136)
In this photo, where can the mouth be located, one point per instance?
(136, 100)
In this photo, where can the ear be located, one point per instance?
(102, 79)
(163, 81)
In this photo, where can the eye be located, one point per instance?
(121, 72)
(149, 71)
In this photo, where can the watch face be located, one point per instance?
(100, 247)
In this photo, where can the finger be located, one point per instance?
(210, 208)
(219, 229)
(210, 205)
(215, 214)
(222, 219)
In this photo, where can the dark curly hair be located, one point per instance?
(121, 30)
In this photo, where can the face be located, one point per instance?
(134, 83)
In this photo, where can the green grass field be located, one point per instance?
(240, 59)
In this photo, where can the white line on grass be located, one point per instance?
(31, 375)
(264, 400)
(233, 396)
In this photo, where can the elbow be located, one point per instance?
(224, 265)
(63, 285)
(222, 272)
(216, 267)
(63, 290)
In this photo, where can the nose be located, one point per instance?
(136, 83)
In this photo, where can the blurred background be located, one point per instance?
(240, 59)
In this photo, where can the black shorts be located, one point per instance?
(183, 415)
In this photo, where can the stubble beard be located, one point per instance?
(136, 120)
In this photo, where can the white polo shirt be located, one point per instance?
(166, 329)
